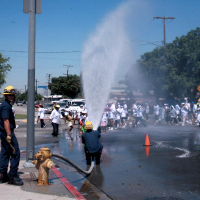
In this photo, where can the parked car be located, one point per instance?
(75, 104)
(48, 108)
(65, 100)
(37, 105)
(19, 103)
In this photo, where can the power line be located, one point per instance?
(42, 51)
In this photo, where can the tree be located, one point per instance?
(174, 69)
(68, 86)
(4, 68)
(24, 96)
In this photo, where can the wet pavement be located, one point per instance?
(167, 170)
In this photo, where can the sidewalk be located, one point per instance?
(30, 191)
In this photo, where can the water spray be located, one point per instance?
(105, 52)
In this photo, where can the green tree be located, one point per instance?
(24, 96)
(174, 69)
(4, 68)
(68, 86)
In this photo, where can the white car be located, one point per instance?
(48, 108)
(19, 103)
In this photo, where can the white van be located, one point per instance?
(75, 103)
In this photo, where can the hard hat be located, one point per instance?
(57, 106)
(10, 90)
(88, 125)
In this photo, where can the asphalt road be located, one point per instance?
(169, 169)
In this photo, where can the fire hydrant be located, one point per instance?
(43, 164)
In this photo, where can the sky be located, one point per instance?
(64, 26)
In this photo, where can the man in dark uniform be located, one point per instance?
(9, 144)
(93, 147)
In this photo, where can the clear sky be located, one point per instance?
(65, 25)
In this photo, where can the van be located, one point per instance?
(75, 103)
(65, 100)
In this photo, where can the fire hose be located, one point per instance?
(74, 165)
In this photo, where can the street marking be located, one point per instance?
(67, 184)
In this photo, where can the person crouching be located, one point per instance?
(93, 147)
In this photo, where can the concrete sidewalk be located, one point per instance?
(30, 191)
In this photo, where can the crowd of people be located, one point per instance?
(119, 115)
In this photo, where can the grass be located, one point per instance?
(20, 116)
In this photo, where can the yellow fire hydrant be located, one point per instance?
(43, 164)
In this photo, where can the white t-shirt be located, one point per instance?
(156, 109)
(125, 106)
(147, 109)
(124, 112)
(118, 113)
(79, 110)
(110, 115)
(55, 116)
(184, 110)
(41, 113)
(67, 110)
(198, 115)
(139, 111)
(177, 108)
(104, 117)
(194, 108)
(134, 109)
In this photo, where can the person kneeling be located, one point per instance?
(93, 147)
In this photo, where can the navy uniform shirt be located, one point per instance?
(6, 112)
(91, 141)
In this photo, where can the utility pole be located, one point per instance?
(68, 66)
(36, 81)
(49, 79)
(31, 7)
(164, 19)
(25, 88)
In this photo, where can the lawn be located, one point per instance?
(20, 116)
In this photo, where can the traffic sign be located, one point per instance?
(38, 7)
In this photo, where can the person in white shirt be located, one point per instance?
(156, 112)
(111, 115)
(134, 109)
(184, 113)
(178, 111)
(79, 111)
(118, 116)
(67, 110)
(124, 117)
(55, 120)
(147, 112)
(73, 110)
(104, 122)
(41, 115)
(198, 115)
(194, 112)
(125, 105)
(139, 116)
(173, 115)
